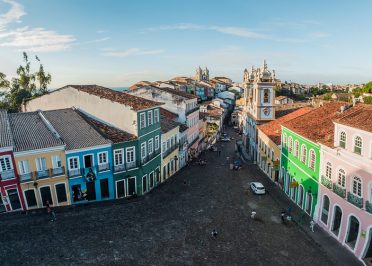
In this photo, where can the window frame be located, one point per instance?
(328, 170)
(341, 181)
(310, 161)
(128, 157)
(355, 147)
(99, 159)
(157, 142)
(143, 147)
(121, 154)
(77, 160)
(303, 156)
(142, 120)
(150, 118)
(359, 186)
(342, 139)
(9, 158)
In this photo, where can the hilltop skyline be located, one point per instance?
(90, 42)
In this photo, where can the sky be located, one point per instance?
(117, 43)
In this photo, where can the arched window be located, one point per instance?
(357, 186)
(329, 170)
(284, 140)
(296, 148)
(290, 144)
(358, 145)
(266, 96)
(312, 159)
(341, 177)
(303, 153)
(343, 139)
(300, 195)
(325, 209)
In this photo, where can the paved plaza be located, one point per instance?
(170, 226)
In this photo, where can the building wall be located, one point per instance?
(292, 168)
(113, 113)
(170, 158)
(37, 183)
(268, 164)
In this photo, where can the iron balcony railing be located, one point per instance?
(119, 167)
(74, 172)
(337, 189)
(369, 206)
(103, 167)
(192, 110)
(25, 177)
(326, 182)
(126, 166)
(149, 157)
(5, 175)
(170, 150)
(355, 200)
(58, 171)
(42, 174)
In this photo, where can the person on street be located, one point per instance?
(50, 211)
(214, 233)
(253, 214)
(282, 216)
(312, 225)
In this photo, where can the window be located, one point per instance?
(296, 148)
(143, 149)
(284, 140)
(73, 163)
(156, 116)
(325, 210)
(130, 155)
(56, 160)
(343, 139)
(149, 118)
(61, 193)
(5, 164)
(290, 144)
(142, 120)
(23, 167)
(303, 154)
(120, 189)
(105, 192)
(341, 177)
(144, 184)
(156, 143)
(151, 146)
(312, 159)
(46, 195)
(102, 158)
(329, 170)
(164, 146)
(30, 198)
(358, 145)
(266, 96)
(357, 186)
(151, 180)
(41, 164)
(119, 157)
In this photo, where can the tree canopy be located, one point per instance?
(25, 85)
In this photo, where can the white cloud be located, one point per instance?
(130, 52)
(13, 15)
(100, 31)
(29, 39)
(99, 40)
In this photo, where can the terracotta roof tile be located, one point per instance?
(359, 116)
(168, 124)
(179, 93)
(6, 139)
(137, 103)
(273, 128)
(168, 114)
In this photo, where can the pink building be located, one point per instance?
(345, 193)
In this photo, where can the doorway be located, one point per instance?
(91, 191)
(132, 186)
(309, 201)
(88, 161)
(353, 232)
(104, 188)
(46, 194)
(14, 201)
(368, 251)
(337, 220)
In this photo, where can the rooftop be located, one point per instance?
(178, 93)
(6, 139)
(30, 132)
(137, 103)
(167, 124)
(359, 116)
(317, 125)
(74, 130)
(273, 129)
(112, 133)
(168, 114)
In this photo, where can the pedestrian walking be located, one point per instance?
(214, 233)
(312, 225)
(282, 216)
(289, 210)
(253, 214)
(50, 211)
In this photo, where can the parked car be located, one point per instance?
(257, 188)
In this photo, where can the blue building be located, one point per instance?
(88, 156)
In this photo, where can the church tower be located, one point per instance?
(199, 74)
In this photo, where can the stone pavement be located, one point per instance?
(171, 225)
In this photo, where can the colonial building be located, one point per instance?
(345, 193)
(202, 74)
(269, 143)
(11, 197)
(259, 95)
(300, 154)
(40, 158)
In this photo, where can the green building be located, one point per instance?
(300, 154)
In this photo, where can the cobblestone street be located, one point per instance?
(170, 226)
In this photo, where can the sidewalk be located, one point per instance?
(330, 245)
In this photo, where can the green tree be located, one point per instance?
(367, 99)
(43, 78)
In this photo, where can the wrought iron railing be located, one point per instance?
(119, 167)
(5, 175)
(103, 167)
(149, 157)
(326, 181)
(339, 190)
(74, 172)
(25, 177)
(170, 150)
(355, 200)
(58, 171)
(369, 206)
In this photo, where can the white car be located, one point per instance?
(258, 188)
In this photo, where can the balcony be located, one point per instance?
(57, 171)
(74, 172)
(192, 110)
(170, 150)
(103, 167)
(149, 157)
(9, 174)
(25, 177)
(42, 174)
(369, 206)
(339, 190)
(131, 165)
(326, 182)
(119, 168)
(355, 200)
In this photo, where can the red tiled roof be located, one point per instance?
(317, 125)
(273, 128)
(179, 93)
(359, 116)
(137, 103)
(167, 124)
(168, 114)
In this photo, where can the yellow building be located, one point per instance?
(169, 148)
(40, 160)
(269, 143)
